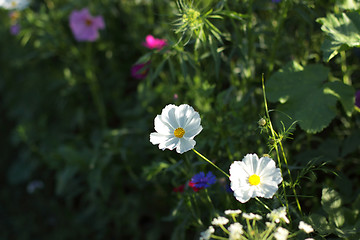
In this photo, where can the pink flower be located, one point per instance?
(84, 26)
(140, 71)
(152, 43)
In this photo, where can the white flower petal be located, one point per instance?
(243, 196)
(250, 162)
(170, 143)
(185, 145)
(162, 126)
(156, 138)
(168, 115)
(191, 133)
(183, 114)
(265, 164)
(268, 190)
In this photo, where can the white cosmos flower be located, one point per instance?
(176, 127)
(254, 177)
(14, 4)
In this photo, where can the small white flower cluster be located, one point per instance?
(250, 230)
(277, 215)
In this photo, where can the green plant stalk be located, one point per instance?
(274, 139)
(273, 133)
(291, 180)
(218, 237)
(207, 160)
(224, 229)
(94, 87)
(344, 69)
(263, 204)
(209, 199)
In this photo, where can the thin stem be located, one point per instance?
(263, 204)
(274, 139)
(207, 160)
(218, 237)
(224, 229)
(344, 68)
(291, 181)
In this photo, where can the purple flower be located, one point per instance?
(151, 42)
(200, 180)
(84, 26)
(15, 29)
(357, 98)
(276, 1)
(140, 71)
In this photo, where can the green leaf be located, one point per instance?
(344, 93)
(301, 92)
(330, 200)
(320, 223)
(343, 31)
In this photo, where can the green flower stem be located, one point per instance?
(218, 237)
(273, 133)
(344, 69)
(291, 180)
(263, 204)
(207, 160)
(224, 229)
(94, 87)
(268, 231)
(274, 138)
(209, 199)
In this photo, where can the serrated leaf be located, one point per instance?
(342, 31)
(301, 92)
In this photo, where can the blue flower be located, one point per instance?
(201, 180)
(276, 1)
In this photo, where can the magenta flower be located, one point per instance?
(84, 26)
(357, 98)
(140, 71)
(152, 43)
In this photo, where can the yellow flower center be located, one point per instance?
(254, 180)
(179, 132)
